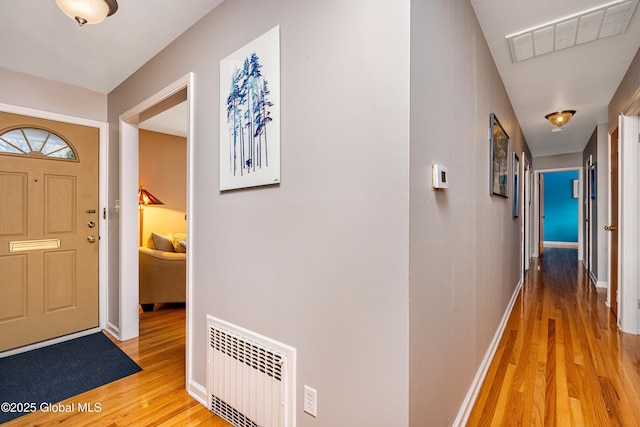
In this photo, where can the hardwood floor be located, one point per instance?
(561, 360)
(156, 396)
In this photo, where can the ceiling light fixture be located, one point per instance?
(560, 118)
(88, 11)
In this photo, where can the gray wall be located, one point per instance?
(558, 161)
(372, 279)
(626, 99)
(464, 243)
(46, 95)
(319, 262)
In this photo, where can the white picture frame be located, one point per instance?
(250, 114)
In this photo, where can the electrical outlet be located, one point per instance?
(310, 401)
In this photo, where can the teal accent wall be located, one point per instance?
(560, 208)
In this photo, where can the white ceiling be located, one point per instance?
(39, 39)
(582, 78)
(174, 121)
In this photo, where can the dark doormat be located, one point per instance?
(51, 374)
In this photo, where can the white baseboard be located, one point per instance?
(472, 394)
(113, 330)
(198, 392)
(566, 245)
(601, 284)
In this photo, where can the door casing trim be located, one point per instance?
(128, 149)
(628, 223)
(536, 208)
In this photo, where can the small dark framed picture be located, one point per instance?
(593, 180)
(516, 185)
(499, 161)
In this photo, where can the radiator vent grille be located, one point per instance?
(229, 414)
(246, 352)
(250, 378)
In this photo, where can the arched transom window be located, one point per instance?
(35, 142)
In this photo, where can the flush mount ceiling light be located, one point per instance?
(88, 11)
(560, 118)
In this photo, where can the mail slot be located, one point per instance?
(33, 245)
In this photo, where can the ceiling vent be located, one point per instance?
(607, 20)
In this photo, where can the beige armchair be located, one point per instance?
(162, 271)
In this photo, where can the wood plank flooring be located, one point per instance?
(561, 360)
(154, 397)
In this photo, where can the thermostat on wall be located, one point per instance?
(440, 176)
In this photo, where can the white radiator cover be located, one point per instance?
(250, 377)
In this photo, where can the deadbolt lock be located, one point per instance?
(91, 224)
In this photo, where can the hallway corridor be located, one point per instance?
(561, 360)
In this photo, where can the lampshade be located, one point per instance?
(146, 198)
(88, 11)
(560, 118)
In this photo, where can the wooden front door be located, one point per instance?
(613, 227)
(48, 229)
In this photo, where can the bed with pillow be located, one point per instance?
(163, 270)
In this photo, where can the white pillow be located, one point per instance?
(162, 243)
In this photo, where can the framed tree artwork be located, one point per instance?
(250, 114)
(499, 161)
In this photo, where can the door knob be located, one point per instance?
(91, 239)
(610, 227)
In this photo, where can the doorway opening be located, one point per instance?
(559, 210)
(561, 204)
(173, 95)
(162, 183)
(527, 229)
